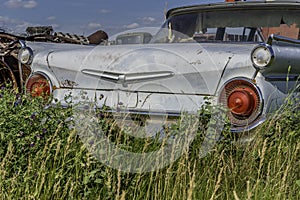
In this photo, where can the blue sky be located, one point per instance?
(86, 16)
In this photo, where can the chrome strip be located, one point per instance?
(147, 76)
(253, 125)
(140, 91)
(284, 78)
(273, 37)
(101, 74)
(129, 77)
(146, 112)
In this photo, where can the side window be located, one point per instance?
(228, 34)
(242, 35)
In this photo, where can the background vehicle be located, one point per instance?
(134, 38)
(12, 47)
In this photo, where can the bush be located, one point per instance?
(42, 157)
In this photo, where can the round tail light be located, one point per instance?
(38, 85)
(243, 100)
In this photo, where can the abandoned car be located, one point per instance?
(239, 54)
(13, 45)
(134, 38)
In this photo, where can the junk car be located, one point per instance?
(134, 38)
(16, 57)
(243, 55)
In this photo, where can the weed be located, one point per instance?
(42, 157)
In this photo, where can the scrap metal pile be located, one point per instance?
(12, 71)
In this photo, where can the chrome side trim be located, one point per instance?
(280, 38)
(261, 119)
(285, 78)
(129, 77)
(102, 74)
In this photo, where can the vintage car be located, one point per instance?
(243, 55)
(133, 36)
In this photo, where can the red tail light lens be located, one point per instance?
(38, 85)
(243, 100)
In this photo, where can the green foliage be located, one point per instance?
(42, 157)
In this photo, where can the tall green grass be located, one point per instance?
(42, 157)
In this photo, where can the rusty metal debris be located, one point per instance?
(12, 71)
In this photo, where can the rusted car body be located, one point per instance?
(15, 71)
(239, 54)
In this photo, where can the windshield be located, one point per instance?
(229, 26)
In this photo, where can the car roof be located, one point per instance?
(238, 5)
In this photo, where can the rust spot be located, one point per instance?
(197, 62)
(68, 83)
